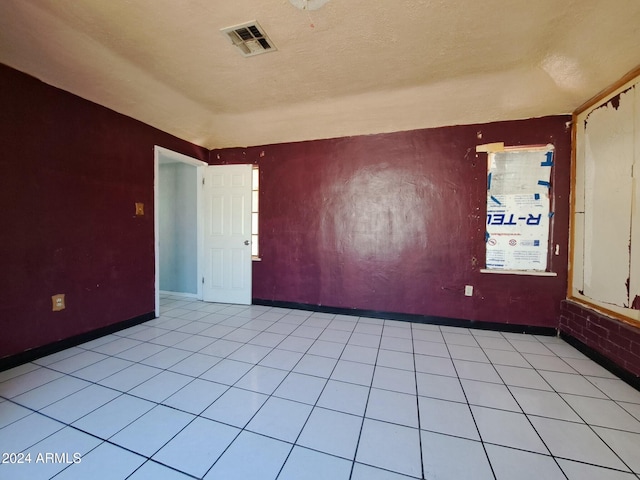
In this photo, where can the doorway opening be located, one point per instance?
(177, 224)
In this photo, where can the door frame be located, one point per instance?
(200, 165)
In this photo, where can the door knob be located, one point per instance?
(246, 242)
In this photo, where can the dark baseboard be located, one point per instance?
(39, 352)
(603, 361)
(408, 317)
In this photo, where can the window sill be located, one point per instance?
(532, 273)
(256, 259)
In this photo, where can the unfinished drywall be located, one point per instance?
(606, 255)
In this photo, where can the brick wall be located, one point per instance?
(615, 340)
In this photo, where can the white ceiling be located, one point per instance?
(365, 66)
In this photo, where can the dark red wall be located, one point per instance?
(395, 223)
(71, 172)
(616, 340)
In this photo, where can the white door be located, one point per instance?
(227, 234)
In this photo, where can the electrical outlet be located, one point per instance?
(58, 302)
(139, 209)
(468, 290)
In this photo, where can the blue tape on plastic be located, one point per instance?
(495, 200)
(536, 196)
(486, 237)
(551, 214)
(489, 182)
(544, 184)
(549, 160)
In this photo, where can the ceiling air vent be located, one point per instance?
(250, 39)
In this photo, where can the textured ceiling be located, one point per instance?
(351, 67)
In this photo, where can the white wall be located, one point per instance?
(177, 227)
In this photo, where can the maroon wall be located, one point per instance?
(71, 172)
(395, 223)
(615, 340)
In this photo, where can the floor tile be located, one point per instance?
(574, 441)
(48, 360)
(356, 353)
(12, 412)
(571, 383)
(504, 357)
(544, 404)
(331, 432)
(365, 339)
(154, 471)
(51, 392)
(27, 431)
(427, 335)
(166, 358)
(472, 354)
(282, 359)
(353, 372)
(603, 413)
(344, 397)
(522, 377)
(106, 462)
(296, 344)
(130, 377)
(326, 349)
(262, 379)
(393, 407)
(367, 472)
(392, 447)
(109, 419)
(280, 418)
(492, 395)
(548, 362)
(250, 353)
(102, 369)
(117, 346)
(393, 379)
(77, 405)
(616, 389)
(267, 339)
(151, 431)
(625, 444)
(484, 372)
(27, 381)
(226, 372)
(337, 336)
(196, 448)
(250, 456)
(438, 386)
(494, 343)
(316, 365)
(510, 464)
(70, 444)
(458, 339)
(588, 367)
(235, 407)
(141, 352)
(160, 387)
(435, 365)
(584, 471)
(301, 388)
(434, 349)
(395, 359)
(446, 417)
(196, 396)
(453, 458)
(221, 348)
(509, 429)
(195, 364)
(311, 465)
(527, 346)
(396, 344)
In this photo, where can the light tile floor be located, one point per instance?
(227, 392)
